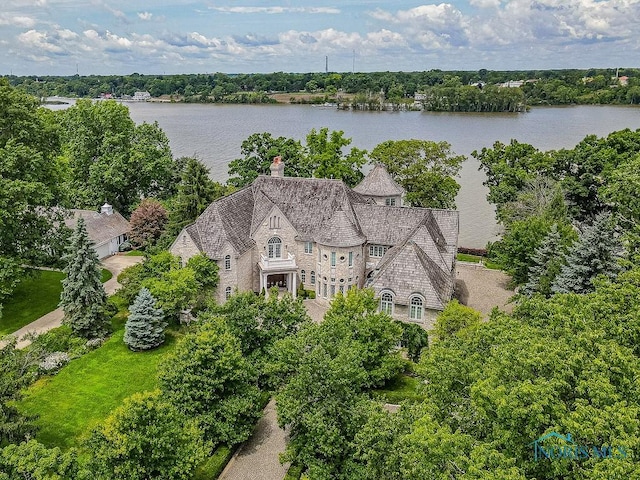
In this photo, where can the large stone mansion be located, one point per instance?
(318, 233)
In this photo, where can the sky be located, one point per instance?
(65, 37)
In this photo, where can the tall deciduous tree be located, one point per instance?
(30, 184)
(110, 158)
(596, 252)
(147, 222)
(454, 318)
(146, 437)
(207, 378)
(326, 159)
(145, 325)
(83, 298)
(425, 169)
(258, 152)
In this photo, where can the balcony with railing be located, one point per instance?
(278, 264)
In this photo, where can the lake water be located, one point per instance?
(214, 133)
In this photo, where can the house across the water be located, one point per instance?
(321, 234)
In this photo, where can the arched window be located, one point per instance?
(227, 293)
(313, 277)
(386, 303)
(275, 247)
(415, 308)
(303, 276)
(227, 262)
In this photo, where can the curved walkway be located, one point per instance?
(258, 457)
(114, 264)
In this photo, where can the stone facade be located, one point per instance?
(322, 236)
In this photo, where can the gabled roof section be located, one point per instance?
(388, 225)
(409, 270)
(308, 203)
(339, 231)
(100, 227)
(378, 183)
(227, 219)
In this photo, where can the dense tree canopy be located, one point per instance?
(111, 159)
(207, 378)
(425, 169)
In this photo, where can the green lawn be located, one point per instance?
(135, 253)
(71, 403)
(400, 388)
(35, 296)
(464, 257)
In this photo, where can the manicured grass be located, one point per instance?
(294, 472)
(213, 466)
(105, 275)
(71, 403)
(35, 296)
(465, 257)
(135, 253)
(400, 388)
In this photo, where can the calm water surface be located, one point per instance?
(214, 133)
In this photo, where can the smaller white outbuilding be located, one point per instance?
(107, 229)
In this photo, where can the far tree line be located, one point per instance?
(539, 87)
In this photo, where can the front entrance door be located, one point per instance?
(277, 280)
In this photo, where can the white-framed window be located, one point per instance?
(386, 303)
(313, 277)
(351, 259)
(324, 290)
(342, 289)
(416, 308)
(333, 259)
(308, 247)
(390, 202)
(274, 221)
(377, 250)
(227, 293)
(227, 262)
(274, 246)
(333, 291)
(303, 276)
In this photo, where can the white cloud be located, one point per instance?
(17, 20)
(275, 10)
(484, 3)
(145, 15)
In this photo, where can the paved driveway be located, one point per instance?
(114, 264)
(258, 458)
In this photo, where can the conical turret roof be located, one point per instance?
(378, 183)
(339, 231)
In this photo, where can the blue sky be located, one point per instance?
(58, 37)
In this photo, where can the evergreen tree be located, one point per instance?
(547, 263)
(145, 326)
(596, 252)
(83, 298)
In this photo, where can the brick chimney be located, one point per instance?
(277, 167)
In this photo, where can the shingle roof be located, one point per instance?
(308, 203)
(328, 212)
(227, 219)
(378, 183)
(339, 231)
(100, 227)
(407, 269)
